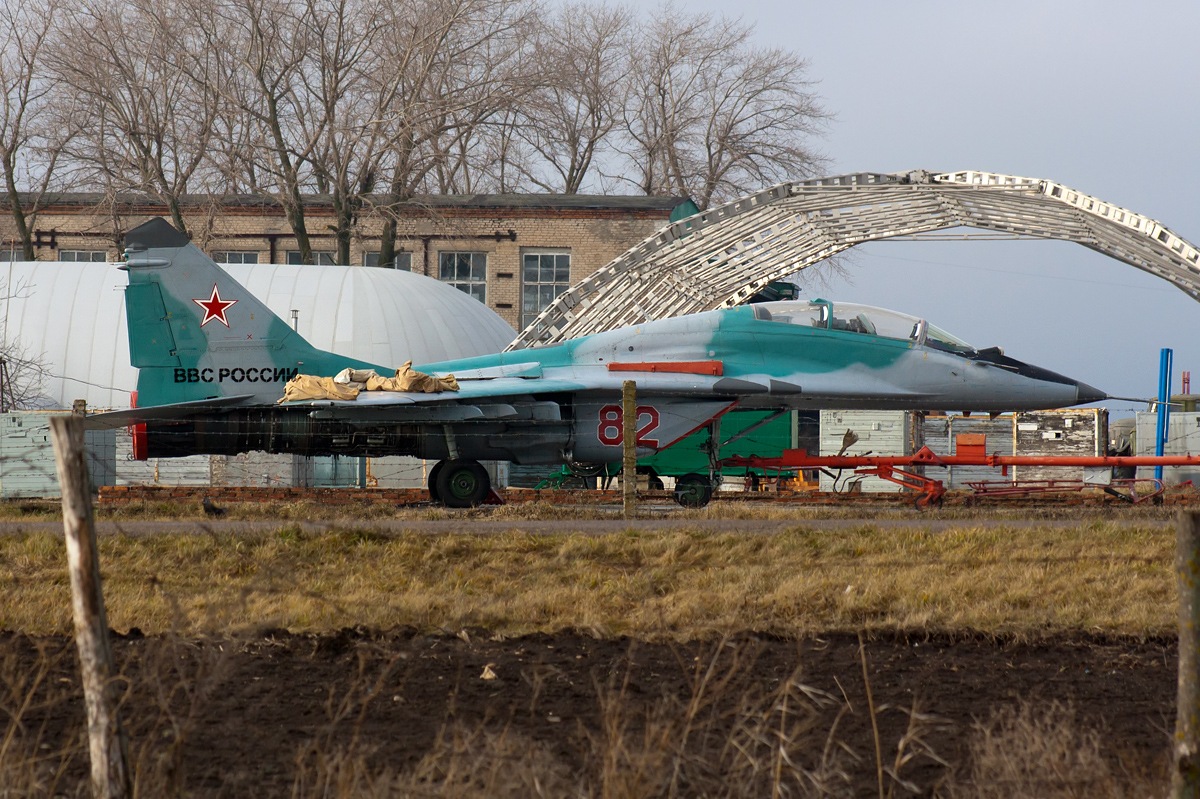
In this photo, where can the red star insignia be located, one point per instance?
(215, 307)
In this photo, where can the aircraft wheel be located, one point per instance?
(693, 490)
(432, 481)
(462, 484)
(585, 469)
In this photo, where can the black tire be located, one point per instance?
(462, 484)
(693, 490)
(432, 481)
(586, 469)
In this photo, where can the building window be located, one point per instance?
(466, 271)
(235, 257)
(320, 257)
(402, 261)
(95, 256)
(544, 275)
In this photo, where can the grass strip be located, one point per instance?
(1023, 580)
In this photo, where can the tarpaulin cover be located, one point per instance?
(346, 384)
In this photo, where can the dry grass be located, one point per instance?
(563, 507)
(728, 736)
(768, 741)
(1040, 752)
(1023, 580)
(30, 763)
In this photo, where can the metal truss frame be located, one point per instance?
(723, 256)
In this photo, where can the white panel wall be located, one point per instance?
(879, 433)
(1183, 438)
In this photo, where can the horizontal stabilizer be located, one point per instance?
(164, 413)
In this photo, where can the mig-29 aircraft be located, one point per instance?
(214, 362)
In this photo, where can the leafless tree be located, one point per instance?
(568, 121)
(275, 130)
(347, 104)
(147, 70)
(461, 66)
(22, 370)
(373, 104)
(484, 71)
(713, 116)
(30, 140)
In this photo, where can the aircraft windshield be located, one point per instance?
(940, 339)
(865, 319)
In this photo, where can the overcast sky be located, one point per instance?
(1101, 96)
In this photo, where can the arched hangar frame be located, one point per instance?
(723, 256)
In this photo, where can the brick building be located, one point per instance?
(515, 253)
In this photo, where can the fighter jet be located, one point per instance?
(214, 363)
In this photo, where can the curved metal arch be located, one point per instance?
(723, 256)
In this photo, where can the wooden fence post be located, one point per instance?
(1185, 778)
(106, 741)
(629, 447)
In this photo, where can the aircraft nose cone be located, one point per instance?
(1086, 394)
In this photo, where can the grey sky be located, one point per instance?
(1101, 96)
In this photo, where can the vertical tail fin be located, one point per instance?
(196, 333)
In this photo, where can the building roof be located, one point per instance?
(72, 315)
(129, 202)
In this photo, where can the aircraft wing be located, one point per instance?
(165, 413)
(486, 397)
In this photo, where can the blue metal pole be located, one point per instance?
(1164, 406)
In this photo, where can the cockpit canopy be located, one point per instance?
(864, 319)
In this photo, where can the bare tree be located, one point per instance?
(569, 119)
(375, 103)
(484, 71)
(22, 370)
(341, 90)
(30, 142)
(25, 373)
(460, 68)
(713, 116)
(275, 131)
(148, 72)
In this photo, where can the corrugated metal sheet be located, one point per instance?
(27, 466)
(1183, 437)
(26, 457)
(253, 469)
(194, 470)
(398, 472)
(73, 315)
(1070, 431)
(879, 433)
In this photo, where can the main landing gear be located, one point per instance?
(693, 490)
(459, 483)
